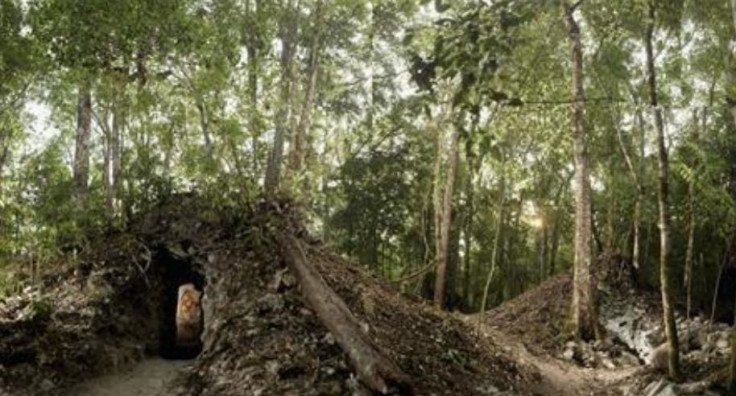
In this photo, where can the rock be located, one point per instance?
(329, 338)
(660, 388)
(694, 388)
(569, 354)
(271, 303)
(722, 344)
(708, 347)
(660, 356)
(281, 281)
(700, 338)
(607, 362)
(47, 385)
(628, 359)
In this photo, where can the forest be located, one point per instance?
(256, 197)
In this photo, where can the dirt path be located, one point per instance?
(557, 376)
(151, 377)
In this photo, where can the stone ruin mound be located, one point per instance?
(282, 315)
(631, 314)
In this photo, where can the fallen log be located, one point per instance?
(374, 370)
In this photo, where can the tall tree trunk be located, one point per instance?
(111, 148)
(555, 245)
(467, 262)
(637, 175)
(470, 161)
(691, 226)
(496, 236)
(446, 221)
(253, 70)
(556, 225)
(543, 248)
(107, 176)
(288, 47)
(298, 149)
(205, 125)
(6, 135)
(437, 195)
(664, 218)
(636, 254)
(584, 315)
(81, 152)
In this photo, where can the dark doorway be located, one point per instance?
(177, 272)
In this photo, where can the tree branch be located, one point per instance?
(576, 5)
(521, 102)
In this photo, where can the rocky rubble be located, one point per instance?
(72, 325)
(605, 354)
(632, 319)
(262, 338)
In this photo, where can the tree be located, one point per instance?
(584, 311)
(18, 62)
(299, 136)
(288, 36)
(663, 191)
(443, 213)
(81, 151)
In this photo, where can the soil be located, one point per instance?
(150, 377)
(558, 377)
(537, 317)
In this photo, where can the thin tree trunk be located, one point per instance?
(446, 221)
(555, 246)
(111, 149)
(539, 247)
(6, 135)
(637, 176)
(107, 176)
(253, 69)
(496, 237)
(556, 226)
(467, 234)
(714, 304)
(584, 315)
(298, 150)
(691, 226)
(81, 153)
(470, 161)
(437, 193)
(275, 159)
(664, 218)
(636, 254)
(205, 125)
(118, 124)
(119, 127)
(467, 262)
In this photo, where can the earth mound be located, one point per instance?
(108, 308)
